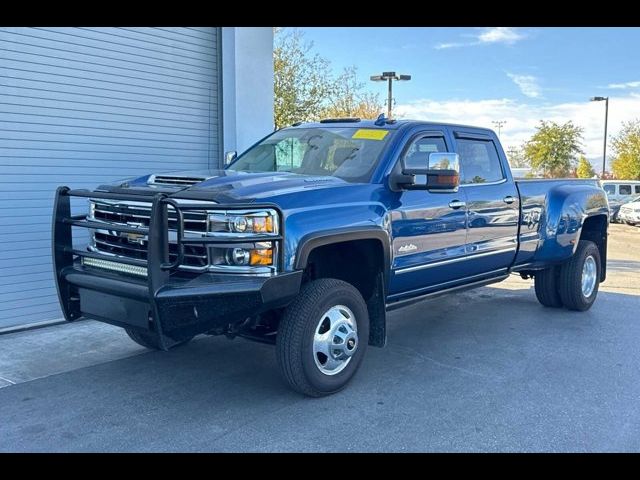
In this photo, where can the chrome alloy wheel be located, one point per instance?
(589, 276)
(335, 340)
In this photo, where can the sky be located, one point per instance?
(485, 74)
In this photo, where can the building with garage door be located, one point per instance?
(85, 106)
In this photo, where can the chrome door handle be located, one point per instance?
(455, 204)
(509, 199)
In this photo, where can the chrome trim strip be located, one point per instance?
(454, 260)
(497, 182)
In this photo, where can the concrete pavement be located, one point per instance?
(485, 370)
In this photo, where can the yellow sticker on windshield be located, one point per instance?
(370, 134)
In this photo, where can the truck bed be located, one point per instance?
(550, 210)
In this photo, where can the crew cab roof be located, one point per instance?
(393, 125)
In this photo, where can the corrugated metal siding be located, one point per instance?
(85, 106)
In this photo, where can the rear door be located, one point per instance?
(492, 204)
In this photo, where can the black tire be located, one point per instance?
(298, 324)
(570, 280)
(546, 286)
(149, 340)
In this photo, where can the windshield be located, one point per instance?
(347, 153)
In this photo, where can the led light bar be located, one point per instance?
(115, 266)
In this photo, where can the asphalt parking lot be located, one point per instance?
(485, 370)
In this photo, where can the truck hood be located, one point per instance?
(231, 186)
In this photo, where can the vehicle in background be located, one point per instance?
(630, 212)
(621, 191)
(614, 210)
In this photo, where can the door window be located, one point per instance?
(637, 188)
(610, 189)
(417, 155)
(625, 189)
(479, 161)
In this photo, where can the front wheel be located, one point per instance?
(322, 337)
(580, 277)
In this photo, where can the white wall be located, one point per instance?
(247, 85)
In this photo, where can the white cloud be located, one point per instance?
(507, 35)
(522, 118)
(625, 85)
(441, 46)
(528, 84)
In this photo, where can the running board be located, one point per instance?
(460, 288)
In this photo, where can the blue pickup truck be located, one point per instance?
(307, 239)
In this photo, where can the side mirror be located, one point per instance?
(440, 174)
(229, 157)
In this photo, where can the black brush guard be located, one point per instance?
(173, 306)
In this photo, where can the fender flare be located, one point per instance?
(314, 240)
(375, 304)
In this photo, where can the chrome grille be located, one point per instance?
(133, 246)
(174, 180)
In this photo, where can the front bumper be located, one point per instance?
(180, 309)
(171, 304)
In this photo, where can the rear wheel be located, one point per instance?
(580, 277)
(546, 286)
(322, 337)
(149, 340)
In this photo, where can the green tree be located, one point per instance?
(585, 169)
(516, 157)
(305, 88)
(626, 149)
(553, 148)
(349, 100)
(302, 79)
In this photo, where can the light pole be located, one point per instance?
(498, 124)
(389, 77)
(606, 116)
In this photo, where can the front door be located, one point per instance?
(428, 229)
(492, 203)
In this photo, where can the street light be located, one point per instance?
(498, 124)
(389, 77)
(606, 115)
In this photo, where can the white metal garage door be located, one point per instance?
(85, 106)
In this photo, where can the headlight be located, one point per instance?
(257, 255)
(247, 257)
(262, 222)
(252, 255)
